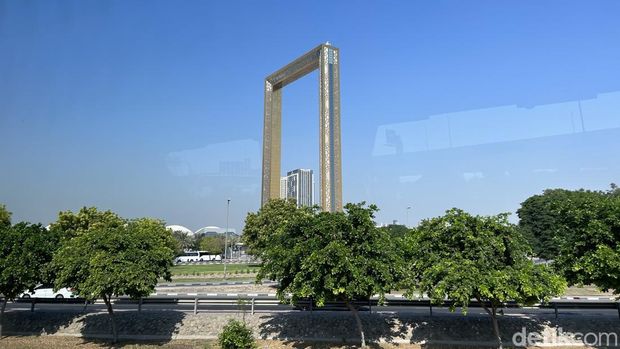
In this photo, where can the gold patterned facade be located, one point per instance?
(325, 58)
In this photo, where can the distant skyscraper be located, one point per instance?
(283, 187)
(299, 185)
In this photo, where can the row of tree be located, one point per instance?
(339, 256)
(97, 254)
(188, 242)
(458, 256)
(542, 218)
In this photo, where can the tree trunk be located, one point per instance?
(496, 329)
(359, 322)
(493, 313)
(2, 314)
(108, 304)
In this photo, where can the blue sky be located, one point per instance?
(154, 108)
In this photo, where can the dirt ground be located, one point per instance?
(219, 289)
(39, 342)
(252, 288)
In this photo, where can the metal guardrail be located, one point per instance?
(364, 305)
(231, 261)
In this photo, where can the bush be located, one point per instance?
(236, 335)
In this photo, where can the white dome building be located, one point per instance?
(214, 231)
(180, 228)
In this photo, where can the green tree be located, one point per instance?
(5, 217)
(212, 244)
(462, 257)
(323, 255)
(184, 242)
(396, 231)
(25, 252)
(539, 218)
(614, 190)
(270, 220)
(107, 260)
(537, 221)
(590, 243)
(69, 224)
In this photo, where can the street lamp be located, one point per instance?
(226, 238)
(408, 208)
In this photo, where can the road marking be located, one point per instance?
(212, 294)
(253, 294)
(232, 294)
(192, 294)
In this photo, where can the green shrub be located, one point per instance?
(236, 335)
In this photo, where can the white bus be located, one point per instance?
(198, 256)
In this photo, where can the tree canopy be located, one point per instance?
(70, 224)
(212, 244)
(540, 221)
(589, 227)
(270, 220)
(462, 257)
(396, 231)
(184, 242)
(25, 251)
(111, 259)
(5, 217)
(323, 255)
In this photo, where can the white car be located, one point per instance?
(46, 291)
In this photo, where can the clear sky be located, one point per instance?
(154, 108)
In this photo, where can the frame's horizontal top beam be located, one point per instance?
(297, 68)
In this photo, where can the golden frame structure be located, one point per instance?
(325, 58)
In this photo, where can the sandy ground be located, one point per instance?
(253, 288)
(38, 342)
(219, 289)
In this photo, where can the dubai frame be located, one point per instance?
(324, 58)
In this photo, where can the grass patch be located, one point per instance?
(58, 342)
(201, 269)
(199, 279)
(38, 342)
(586, 290)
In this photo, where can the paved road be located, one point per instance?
(268, 304)
(222, 283)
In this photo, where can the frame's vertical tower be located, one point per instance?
(325, 58)
(329, 123)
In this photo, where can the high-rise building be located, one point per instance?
(299, 185)
(283, 187)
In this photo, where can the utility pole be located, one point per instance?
(226, 239)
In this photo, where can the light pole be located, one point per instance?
(226, 238)
(407, 221)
